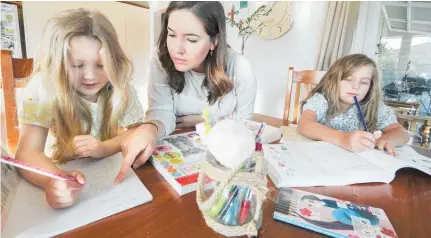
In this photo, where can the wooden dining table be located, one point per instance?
(406, 201)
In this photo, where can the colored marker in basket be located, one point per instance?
(29, 167)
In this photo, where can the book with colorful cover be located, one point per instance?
(330, 216)
(178, 159)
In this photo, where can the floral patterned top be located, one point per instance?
(348, 121)
(36, 110)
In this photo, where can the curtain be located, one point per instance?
(338, 34)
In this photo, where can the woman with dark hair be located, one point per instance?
(193, 69)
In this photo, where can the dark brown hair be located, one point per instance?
(212, 17)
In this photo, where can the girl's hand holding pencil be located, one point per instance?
(382, 145)
(62, 188)
(64, 193)
(357, 141)
(188, 121)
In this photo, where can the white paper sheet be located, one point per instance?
(301, 164)
(31, 216)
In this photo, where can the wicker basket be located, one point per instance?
(234, 206)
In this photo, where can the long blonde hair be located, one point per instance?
(68, 109)
(343, 68)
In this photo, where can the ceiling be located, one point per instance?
(408, 17)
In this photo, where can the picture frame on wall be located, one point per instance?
(10, 30)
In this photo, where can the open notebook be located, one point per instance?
(29, 215)
(302, 164)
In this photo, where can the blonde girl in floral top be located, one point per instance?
(77, 101)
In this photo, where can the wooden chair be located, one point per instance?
(299, 85)
(410, 108)
(14, 72)
(405, 109)
(419, 127)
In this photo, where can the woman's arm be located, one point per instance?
(137, 147)
(113, 145)
(188, 121)
(160, 100)
(133, 116)
(160, 121)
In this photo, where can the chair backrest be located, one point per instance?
(419, 126)
(299, 85)
(14, 73)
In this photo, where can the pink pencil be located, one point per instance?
(29, 167)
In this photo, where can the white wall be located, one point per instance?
(156, 10)
(35, 16)
(272, 58)
(138, 47)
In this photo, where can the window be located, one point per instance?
(405, 53)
